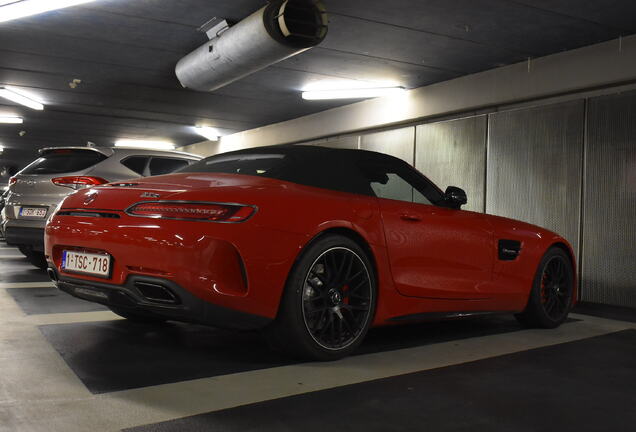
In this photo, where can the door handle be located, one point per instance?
(411, 217)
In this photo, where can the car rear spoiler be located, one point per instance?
(103, 150)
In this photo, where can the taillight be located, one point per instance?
(13, 180)
(78, 182)
(207, 212)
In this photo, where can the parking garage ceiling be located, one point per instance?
(122, 54)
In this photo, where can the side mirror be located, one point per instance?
(455, 197)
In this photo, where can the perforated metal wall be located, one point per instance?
(398, 142)
(453, 153)
(609, 229)
(344, 142)
(528, 164)
(534, 166)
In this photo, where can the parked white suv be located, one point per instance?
(36, 191)
(5, 193)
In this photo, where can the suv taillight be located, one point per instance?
(206, 212)
(78, 182)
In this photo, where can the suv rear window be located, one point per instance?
(64, 161)
(136, 164)
(159, 166)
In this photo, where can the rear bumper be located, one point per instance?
(29, 237)
(238, 267)
(183, 306)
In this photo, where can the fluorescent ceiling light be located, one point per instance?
(209, 133)
(12, 120)
(21, 97)
(353, 93)
(23, 8)
(155, 145)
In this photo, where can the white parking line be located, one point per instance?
(71, 318)
(26, 284)
(12, 257)
(118, 410)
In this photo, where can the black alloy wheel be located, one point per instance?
(556, 288)
(550, 299)
(328, 303)
(337, 298)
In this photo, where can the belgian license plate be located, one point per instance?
(34, 212)
(87, 263)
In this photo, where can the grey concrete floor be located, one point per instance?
(67, 369)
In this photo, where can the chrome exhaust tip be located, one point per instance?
(52, 274)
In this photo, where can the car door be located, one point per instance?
(434, 251)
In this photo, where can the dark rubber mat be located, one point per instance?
(36, 301)
(118, 355)
(586, 385)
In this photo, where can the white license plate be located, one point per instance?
(34, 212)
(88, 263)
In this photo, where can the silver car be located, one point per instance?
(5, 193)
(36, 191)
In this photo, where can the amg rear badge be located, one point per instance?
(149, 195)
(90, 198)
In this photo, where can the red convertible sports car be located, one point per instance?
(311, 245)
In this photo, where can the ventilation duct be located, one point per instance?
(278, 31)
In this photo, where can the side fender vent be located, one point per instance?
(509, 249)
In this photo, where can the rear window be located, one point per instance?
(136, 164)
(64, 161)
(159, 166)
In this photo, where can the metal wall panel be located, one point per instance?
(343, 142)
(397, 142)
(534, 166)
(316, 142)
(609, 230)
(453, 153)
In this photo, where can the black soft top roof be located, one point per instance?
(300, 151)
(345, 170)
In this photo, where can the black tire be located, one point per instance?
(35, 258)
(26, 251)
(136, 316)
(550, 299)
(38, 260)
(328, 303)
